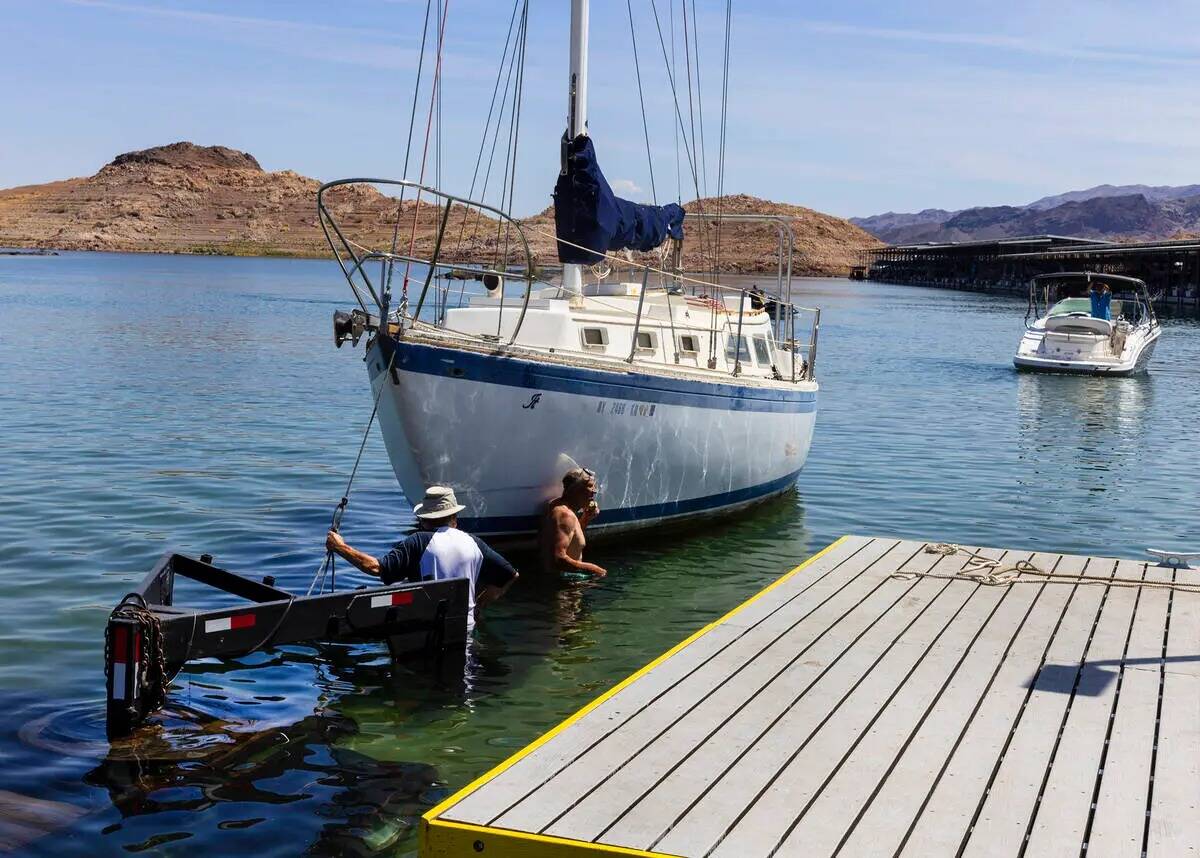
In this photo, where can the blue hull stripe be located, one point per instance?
(639, 387)
(528, 523)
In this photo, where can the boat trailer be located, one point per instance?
(148, 639)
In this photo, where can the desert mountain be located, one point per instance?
(185, 198)
(1119, 212)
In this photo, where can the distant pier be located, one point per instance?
(887, 697)
(1171, 269)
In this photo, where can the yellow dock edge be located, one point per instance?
(444, 839)
(441, 838)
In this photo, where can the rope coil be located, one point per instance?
(994, 573)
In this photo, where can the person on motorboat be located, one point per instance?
(436, 551)
(561, 541)
(1101, 297)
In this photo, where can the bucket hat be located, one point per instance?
(439, 502)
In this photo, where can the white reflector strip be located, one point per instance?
(222, 625)
(389, 599)
(118, 680)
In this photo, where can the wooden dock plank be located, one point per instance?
(752, 659)
(659, 785)
(902, 795)
(1183, 647)
(767, 749)
(832, 813)
(1017, 710)
(1175, 803)
(850, 711)
(816, 581)
(1061, 817)
(918, 656)
(1122, 798)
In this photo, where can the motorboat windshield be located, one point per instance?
(1071, 305)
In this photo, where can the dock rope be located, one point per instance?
(995, 573)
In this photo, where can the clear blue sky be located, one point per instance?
(850, 107)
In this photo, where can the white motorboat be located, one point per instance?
(685, 397)
(1068, 338)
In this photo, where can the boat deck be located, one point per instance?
(881, 699)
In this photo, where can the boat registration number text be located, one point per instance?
(633, 409)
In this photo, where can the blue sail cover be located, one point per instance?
(589, 214)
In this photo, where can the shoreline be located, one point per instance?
(19, 251)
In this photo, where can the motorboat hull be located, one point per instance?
(502, 430)
(1134, 358)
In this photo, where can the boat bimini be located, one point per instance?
(685, 397)
(1069, 339)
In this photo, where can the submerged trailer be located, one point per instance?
(149, 639)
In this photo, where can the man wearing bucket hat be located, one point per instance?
(438, 550)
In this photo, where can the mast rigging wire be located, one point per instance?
(437, 75)
(488, 122)
(412, 118)
(637, 67)
(724, 115)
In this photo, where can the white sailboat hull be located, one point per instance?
(503, 430)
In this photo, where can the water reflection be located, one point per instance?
(365, 805)
(1081, 433)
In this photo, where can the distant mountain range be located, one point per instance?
(1115, 212)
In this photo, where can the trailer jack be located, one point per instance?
(149, 639)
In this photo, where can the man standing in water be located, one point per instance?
(438, 550)
(561, 541)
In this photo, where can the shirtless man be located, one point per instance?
(562, 540)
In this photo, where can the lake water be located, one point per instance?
(150, 403)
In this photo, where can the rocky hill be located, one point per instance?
(1115, 212)
(185, 198)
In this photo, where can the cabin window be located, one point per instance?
(762, 351)
(689, 344)
(647, 341)
(594, 338)
(737, 348)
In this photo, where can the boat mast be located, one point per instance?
(577, 112)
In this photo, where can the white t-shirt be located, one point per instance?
(453, 554)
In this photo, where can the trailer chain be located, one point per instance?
(154, 678)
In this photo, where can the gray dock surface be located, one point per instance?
(850, 710)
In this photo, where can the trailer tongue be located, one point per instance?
(148, 638)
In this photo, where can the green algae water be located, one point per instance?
(155, 403)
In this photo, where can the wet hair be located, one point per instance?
(576, 475)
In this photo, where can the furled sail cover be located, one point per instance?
(587, 212)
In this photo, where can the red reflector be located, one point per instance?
(241, 621)
(137, 646)
(402, 598)
(118, 645)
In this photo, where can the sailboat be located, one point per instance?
(686, 398)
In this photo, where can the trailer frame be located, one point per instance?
(148, 639)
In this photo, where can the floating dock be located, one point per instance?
(882, 699)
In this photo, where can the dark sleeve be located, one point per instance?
(403, 562)
(495, 571)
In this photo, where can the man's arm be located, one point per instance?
(365, 562)
(496, 575)
(564, 529)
